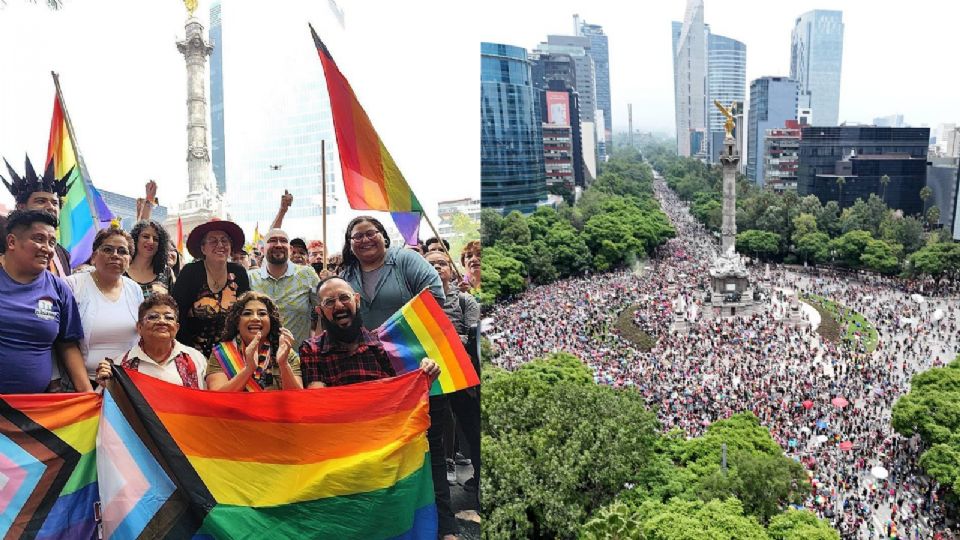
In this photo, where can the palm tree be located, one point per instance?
(933, 216)
(925, 195)
(885, 181)
(840, 182)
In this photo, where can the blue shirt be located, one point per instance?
(33, 316)
(403, 275)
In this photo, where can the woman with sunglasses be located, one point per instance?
(255, 353)
(108, 300)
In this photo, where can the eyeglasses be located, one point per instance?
(361, 236)
(218, 242)
(109, 251)
(155, 317)
(328, 303)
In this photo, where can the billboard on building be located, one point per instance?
(558, 108)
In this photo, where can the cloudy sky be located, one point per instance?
(899, 57)
(125, 86)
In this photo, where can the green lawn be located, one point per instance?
(631, 332)
(849, 322)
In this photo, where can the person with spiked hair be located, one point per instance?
(44, 193)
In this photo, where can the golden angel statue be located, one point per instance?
(729, 124)
(191, 6)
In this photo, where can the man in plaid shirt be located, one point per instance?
(345, 352)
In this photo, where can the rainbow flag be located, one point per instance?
(48, 467)
(180, 236)
(343, 462)
(230, 358)
(84, 212)
(371, 178)
(422, 330)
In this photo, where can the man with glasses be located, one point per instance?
(292, 286)
(345, 352)
(39, 311)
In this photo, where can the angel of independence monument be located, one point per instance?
(203, 202)
(730, 289)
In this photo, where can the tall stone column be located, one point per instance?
(195, 50)
(729, 158)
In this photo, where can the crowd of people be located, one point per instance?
(225, 321)
(766, 361)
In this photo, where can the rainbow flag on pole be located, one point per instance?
(371, 178)
(344, 462)
(48, 468)
(84, 212)
(422, 330)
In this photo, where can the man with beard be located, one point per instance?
(345, 352)
(43, 193)
(292, 286)
(40, 314)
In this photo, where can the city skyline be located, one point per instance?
(641, 70)
(124, 86)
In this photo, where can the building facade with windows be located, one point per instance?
(781, 156)
(690, 80)
(773, 101)
(600, 52)
(512, 172)
(726, 83)
(816, 56)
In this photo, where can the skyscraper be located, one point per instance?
(726, 83)
(599, 51)
(283, 113)
(816, 55)
(690, 80)
(773, 101)
(512, 173)
(217, 145)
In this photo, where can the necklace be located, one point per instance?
(97, 283)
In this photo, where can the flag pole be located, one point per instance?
(453, 263)
(323, 191)
(76, 151)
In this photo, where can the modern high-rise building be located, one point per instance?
(282, 113)
(773, 101)
(600, 52)
(217, 145)
(512, 173)
(942, 181)
(862, 155)
(816, 55)
(578, 47)
(690, 80)
(781, 156)
(562, 142)
(726, 83)
(893, 120)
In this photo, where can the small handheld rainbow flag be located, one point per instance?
(371, 179)
(180, 236)
(422, 330)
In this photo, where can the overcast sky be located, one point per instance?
(898, 57)
(125, 87)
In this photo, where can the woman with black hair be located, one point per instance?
(174, 262)
(255, 352)
(149, 266)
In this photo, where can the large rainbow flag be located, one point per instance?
(371, 178)
(48, 471)
(421, 329)
(84, 212)
(344, 462)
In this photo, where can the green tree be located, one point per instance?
(800, 525)
(803, 224)
(677, 520)
(514, 231)
(501, 275)
(882, 257)
(884, 181)
(906, 231)
(828, 220)
(933, 216)
(850, 246)
(571, 256)
(760, 244)
(925, 194)
(937, 260)
(611, 241)
(813, 247)
(491, 222)
(555, 451)
(841, 181)
(465, 230)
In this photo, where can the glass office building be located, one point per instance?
(726, 83)
(773, 101)
(816, 55)
(267, 69)
(600, 52)
(512, 172)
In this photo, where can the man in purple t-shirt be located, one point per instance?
(40, 315)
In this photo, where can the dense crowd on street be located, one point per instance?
(708, 368)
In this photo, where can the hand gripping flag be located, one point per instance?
(422, 330)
